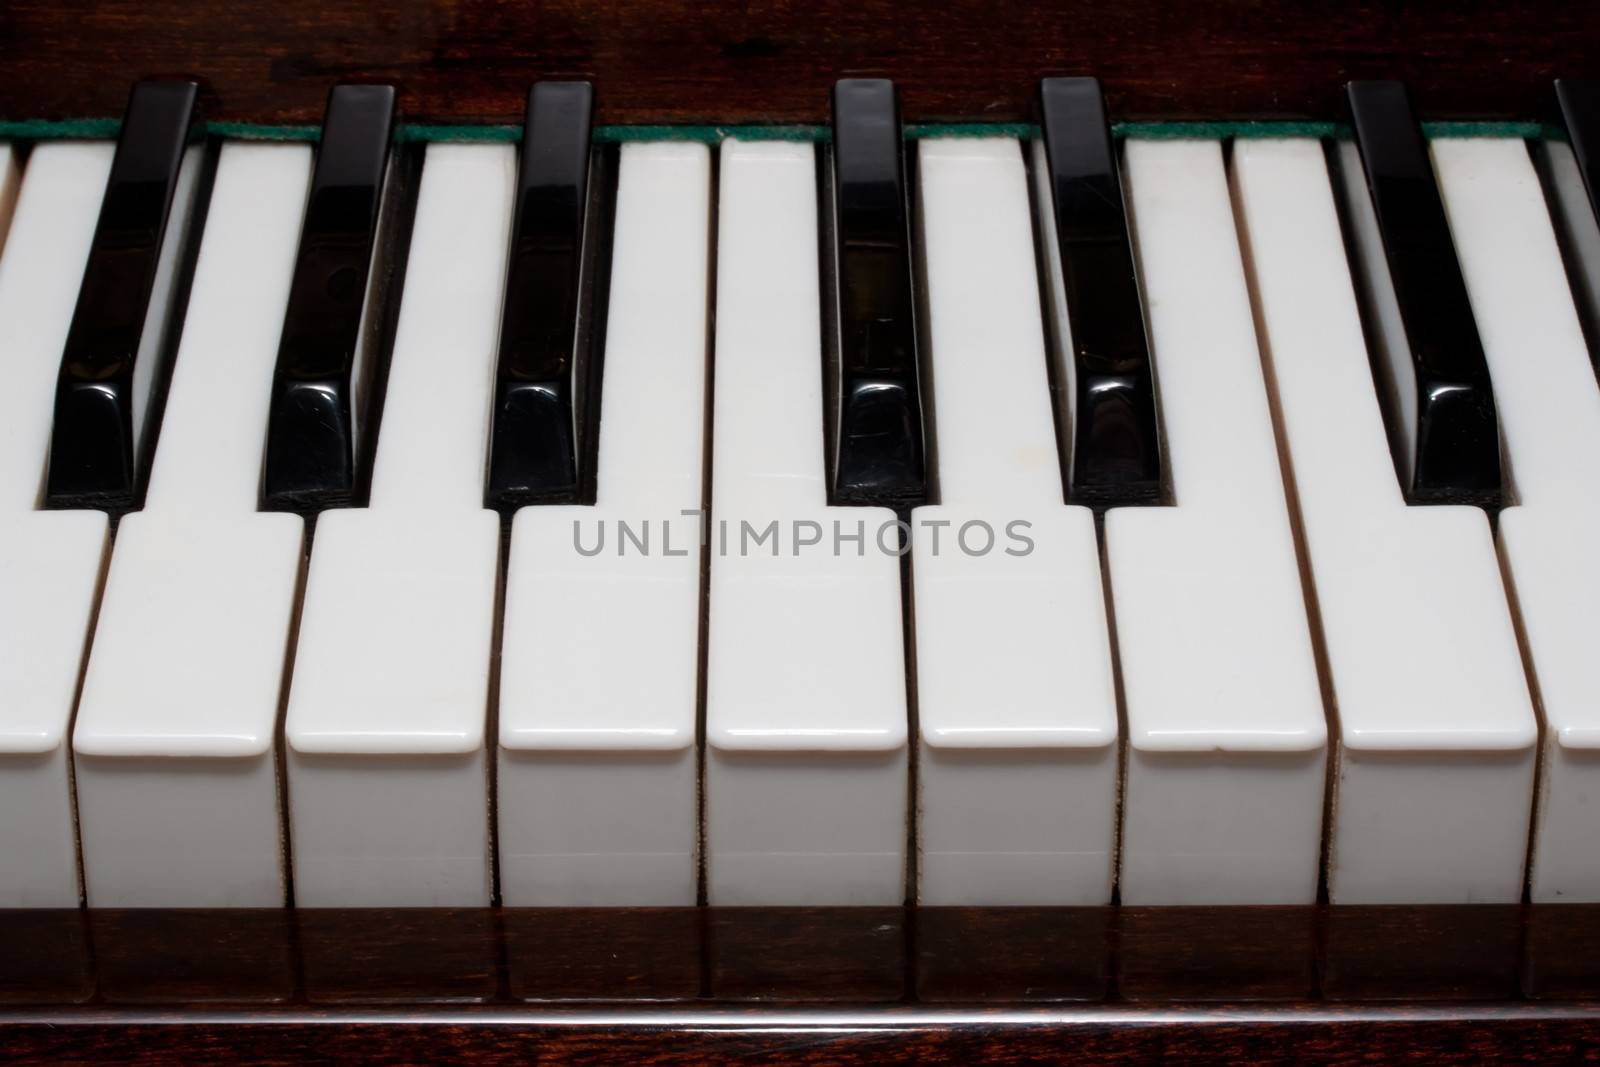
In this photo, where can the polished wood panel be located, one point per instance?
(718, 61)
(940, 985)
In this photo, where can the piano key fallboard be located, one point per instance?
(1023, 540)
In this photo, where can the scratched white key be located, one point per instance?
(1223, 789)
(600, 654)
(388, 766)
(50, 561)
(1435, 728)
(175, 741)
(1017, 767)
(806, 732)
(1549, 407)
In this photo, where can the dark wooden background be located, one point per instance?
(711, 61)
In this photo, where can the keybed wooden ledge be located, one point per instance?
(688, 61)
(840, 985)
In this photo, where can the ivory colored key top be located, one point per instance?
(388, 767)
(177, 768)
(49, 560)
(1550, 417)
(806, 733)
(600, 659)
(1223, 789)
(1017, 770)
(1435, 728)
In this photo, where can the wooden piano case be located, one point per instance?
(1442, 984)
(1466, 984)
(684, 986)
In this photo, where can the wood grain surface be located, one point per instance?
(714, 61)
(808, 985)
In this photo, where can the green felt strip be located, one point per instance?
(927, 130)
(460, 133)
(710, 134)
(49, 130)
(1482, 129)
(245, 131)
(1174, 131)
(42, 130)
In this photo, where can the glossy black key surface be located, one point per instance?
(316, 413)
(1579, 102)
(880, 453)
(1115, 437)
(99, 440)
(1578, 111)
(1456, 456)
(547, 377)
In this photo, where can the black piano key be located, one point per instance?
(1578, 111)
(880, 452)
(547, 380)
(320, 383)
(1579, 102)
(1115, 442)
(1455, 449)
(119, 342)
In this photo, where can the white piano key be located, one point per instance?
(388, 767)
(49, 560)
(599, 679)
(806, 732)
(177, 771)
(45, 254)
(1549, 406)
(1435, 729)
(1223, 790)
(1017, 764)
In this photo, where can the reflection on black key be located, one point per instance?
(879, 453)
(1115, 450)
(118, 346)
(1452, 437)
(321, 380)
(547, 380)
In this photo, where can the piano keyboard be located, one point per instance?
(970, 520)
